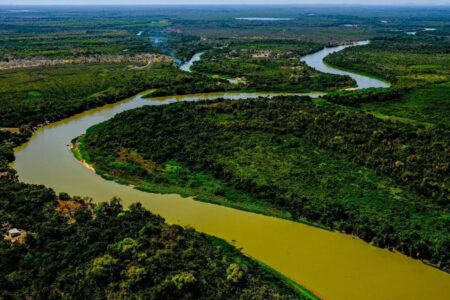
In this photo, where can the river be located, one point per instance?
(330, 264)
(315, 61)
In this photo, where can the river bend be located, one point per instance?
(330, 264)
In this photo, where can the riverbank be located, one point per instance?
(246, 265)
(284, 158)
(77, 153)
(318, 62)
(302, 291)
(85, 87)
(108, 249)
(358, 72)
(231, 197)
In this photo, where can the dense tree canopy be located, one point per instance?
(384, 181)
(70, 248)
(111, 253)
(62, 91)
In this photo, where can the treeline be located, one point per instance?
(418, 67)
(360, 97)
(195, 83)
(9, 140)
(381, 180)
(58, 33)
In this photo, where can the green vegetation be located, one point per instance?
(342, 162)
(269, 65)
(326, 25)
(417, 66)
(33, 96)
(362, 97)
(117, 253)
(73, 43)
(427, 104)
(55, 32)
(381, 180)
(70, 248)
(174, 177)
(403, 61)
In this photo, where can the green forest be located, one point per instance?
(381, 180)
(34, 96)
(71, 248)
(75, 249)
(369, 163)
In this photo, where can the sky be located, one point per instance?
(245, 2)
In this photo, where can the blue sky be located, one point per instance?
(248, 2)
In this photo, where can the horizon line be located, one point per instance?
(230, 4)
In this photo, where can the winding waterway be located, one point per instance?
(315, 60)
(331, 264)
